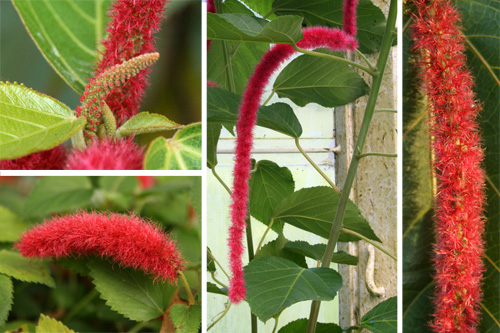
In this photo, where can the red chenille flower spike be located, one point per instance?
(314, 37)
(52, 159)
(126, 240)
(459, 221)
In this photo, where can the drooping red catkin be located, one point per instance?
(52, 159)
(130, 33)
(210, 9)
(107, 154)
(349, 19)
(314, 37)
(127, 240)
(458, 154)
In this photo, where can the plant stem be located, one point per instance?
(218, 264)
(375, 244)
(268, 99)
(188, 289)
(315, 166)
(80, 305)
(220, 317)
(217, 281)
(358, 148)
(385, 110)
(373, 68)
(216, 175)
(276, 323)
(264, 235)
(332, 57)
(360, 156)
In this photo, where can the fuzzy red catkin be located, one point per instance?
(314, 37)
(349, 19)
(52, 159)
(126, 240)
(130, 33)
(210, 9)
(459, 221)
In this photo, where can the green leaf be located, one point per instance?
(316, 252)
(187, 319)
(276, 248)
(222, 107)
(11, 226)
(210, 262)
(248, 28)
(58, 194)
(313, 209)
(31, 121)
(213, 133)
(146, 122)
(50, 325)
(25, 269)
(182, 152)
(263, 7)
(311, 79)
(269, 184)
(67, 33)
(300, 325)
(130, 292)
(274, 284)
(383, 318)
(370, 19)
(7, 292)
(212, 288)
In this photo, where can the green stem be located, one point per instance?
(373, 68)
(332, 57)
(264, 236)
(217, 263)
(191, 300)
(276, 323)
(216, 175)
(358, 148)
(217, 281)
(360, 156)
(220, 317)
(375, 244)
(80, 305)
(249, 239)
(385, 110)
(268, 99)
(315, 166)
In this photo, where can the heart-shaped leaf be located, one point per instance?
(269, 184)
(67, 33)
(273, 284)
(222, 107)
(7, 292)
(23, 269)
(313, 209)
(47, 324)
(276, 248)
(130, 292)
(31, 121)
(186, 319)
(383, 318)
(300, 325)
(327, 82)
(182, 152)
(370, 19)
(316, 252)
(146, 122)
(11, 227)
(248, 28)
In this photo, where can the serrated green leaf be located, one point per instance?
(25, 269)
(263, 7)
(130, 292)
(383, 318)
(58, 194)
(300, 325)
(273, 284)
(370, 19)
(222, 107)
(182, 152)
(213, 133)
(248, 28)
(7, 292)
(327, 82)
(146, 122)
(276, 248)
(316, 252)
(31, 121)
(51, 325)
(269, 184)
(187, 319)
(11, 226)
(313, 209)
(67, 33)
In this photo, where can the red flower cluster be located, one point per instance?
(458, 155)
(130, 33)
(315, 37)
(107, 154)
(127, 240)
(210, 9)
(52, 159)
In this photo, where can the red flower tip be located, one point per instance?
(52, 159)
(108, 154)
(124, 239)
(146, 181)
(210, 9)
(349, 19)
